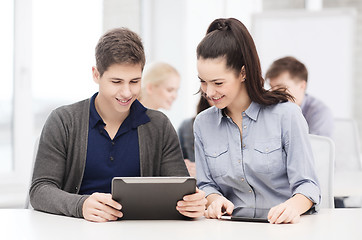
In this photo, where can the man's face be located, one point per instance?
(119, 87)
(295, 87)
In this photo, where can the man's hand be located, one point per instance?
(191, 167)
(192, 205)
(290, 210)
(217, 205)
(100, 207)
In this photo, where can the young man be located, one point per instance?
(84, 145)
(290, 73)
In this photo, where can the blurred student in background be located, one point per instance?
(186, 136)
(290, 73)
(160, 84)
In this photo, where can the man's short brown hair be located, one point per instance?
(117, 46)
(295, 68)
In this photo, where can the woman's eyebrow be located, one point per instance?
(213, 80)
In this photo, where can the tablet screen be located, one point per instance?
(248, 215)
(151, 197)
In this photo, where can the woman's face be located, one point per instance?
(166, 92)
(220, 84)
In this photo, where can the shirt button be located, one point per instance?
(111, 158)
(267, 150)
(242, 179)
(244, 145)
(250, 191)
(112, 143)
(243, 114)
(244, 126)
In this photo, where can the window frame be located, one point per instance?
(14, 185)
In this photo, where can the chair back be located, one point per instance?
(323, 153)
(346, 139)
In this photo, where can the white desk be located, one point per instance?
(341, 224)
(347, 183)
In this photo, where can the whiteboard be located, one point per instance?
(322, 40)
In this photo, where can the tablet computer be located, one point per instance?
(240, 214)
(245, 219)
(151, 197)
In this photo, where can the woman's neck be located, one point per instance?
(149, 102)
(240, 104)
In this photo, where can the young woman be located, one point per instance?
(252, 148)
(160, 84)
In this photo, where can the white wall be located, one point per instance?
(322, 40)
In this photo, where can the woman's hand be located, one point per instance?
(100, 207)
(218, 205)
(192, 205)
(290, 210)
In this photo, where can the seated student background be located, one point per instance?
(252, 147)
(160, 83)
(291, 73)
(186, 136)
(85, 144)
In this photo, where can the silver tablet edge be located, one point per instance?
(153, 179)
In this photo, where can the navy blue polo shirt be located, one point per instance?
(108, 158)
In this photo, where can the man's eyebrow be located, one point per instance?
(121, 79)
(213, 80)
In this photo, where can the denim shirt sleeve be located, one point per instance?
(300, 161)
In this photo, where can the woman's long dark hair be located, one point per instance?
(202, 105)
(229, 38)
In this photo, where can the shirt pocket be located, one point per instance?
(218, 160)
(268, 157)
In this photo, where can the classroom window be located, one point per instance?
(65, 33)
(7, 80)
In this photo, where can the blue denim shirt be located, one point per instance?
(268, 164)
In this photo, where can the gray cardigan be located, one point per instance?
(61, 157)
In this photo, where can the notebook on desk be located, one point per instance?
(151, 197)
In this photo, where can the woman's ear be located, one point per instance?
(149, 89)
(96, 75)
(243, 74)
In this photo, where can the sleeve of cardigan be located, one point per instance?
(46, 192)
(172, 163)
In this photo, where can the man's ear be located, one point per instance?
(96, 75)
(303, 85)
